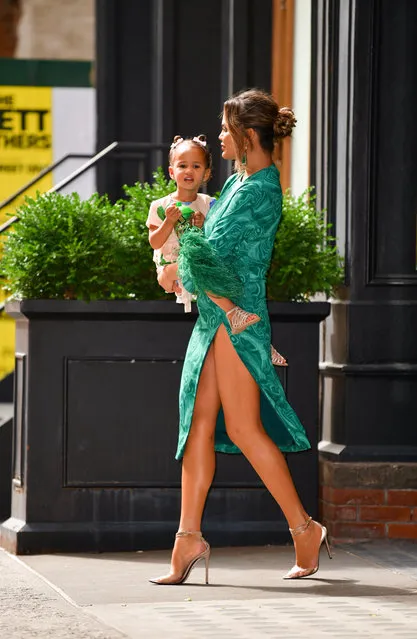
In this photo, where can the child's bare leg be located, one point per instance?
(238, 318)
(222, 302)
(227, 306)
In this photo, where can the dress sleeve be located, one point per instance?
(206, 263)
(153, 217)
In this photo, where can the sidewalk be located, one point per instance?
(368, 590)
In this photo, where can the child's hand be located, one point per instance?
(172, 214)
(198, 219)
(177, 288)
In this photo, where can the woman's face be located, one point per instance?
(226, 142)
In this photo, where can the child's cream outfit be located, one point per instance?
(169, 251)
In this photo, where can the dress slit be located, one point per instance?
(277, 416)
(272, 423)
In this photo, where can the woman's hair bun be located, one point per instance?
(284, 123)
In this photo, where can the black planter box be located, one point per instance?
(95, 429)
(5, 460)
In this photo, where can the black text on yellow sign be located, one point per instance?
(25, 137)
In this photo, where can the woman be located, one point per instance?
(231, 399)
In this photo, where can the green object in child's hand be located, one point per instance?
(161, 212)
(186, 211)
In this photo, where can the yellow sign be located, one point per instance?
(25, 149)
(7, 329)
(25, 140)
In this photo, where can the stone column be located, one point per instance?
(364, 165)
(165, 68)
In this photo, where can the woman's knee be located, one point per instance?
(235, 434)
(203, 428)
(242, 433)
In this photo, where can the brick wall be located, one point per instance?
(56, 30)
(10, 11)
(369, 500)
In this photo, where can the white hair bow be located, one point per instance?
(202, 142)
(174, 144)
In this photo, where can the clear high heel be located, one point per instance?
(276, 358)
(240, 319)
(297, 572)
(176, 579)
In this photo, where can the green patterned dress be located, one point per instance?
(241, 228)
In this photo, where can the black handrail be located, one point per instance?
(83, 168)
(129, 150)
(41, 174)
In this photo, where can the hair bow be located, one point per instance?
(174, 144)
(202, 142)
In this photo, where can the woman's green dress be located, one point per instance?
(241, 228)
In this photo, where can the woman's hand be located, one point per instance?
(168, 277)
(198, 219)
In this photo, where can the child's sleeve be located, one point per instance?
(153, 217)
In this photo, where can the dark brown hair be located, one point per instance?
(200, 141)
(256, 109)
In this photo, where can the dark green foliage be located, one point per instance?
(305, 260)
(65, 248)
(136, 207)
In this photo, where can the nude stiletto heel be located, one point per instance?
(297, 572)
(177, 579)
(240, 319)
(276, 358)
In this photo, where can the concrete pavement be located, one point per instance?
(367, 590)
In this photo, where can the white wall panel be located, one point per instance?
(300, 154)
(74, 131)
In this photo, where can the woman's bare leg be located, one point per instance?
(240, 398)
(198, 465)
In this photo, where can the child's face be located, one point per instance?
(188, 167)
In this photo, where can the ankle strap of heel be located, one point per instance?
(186, 533)
(298, 530)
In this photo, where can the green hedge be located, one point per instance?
(66, 248)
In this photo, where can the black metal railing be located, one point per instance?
(116, 150)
